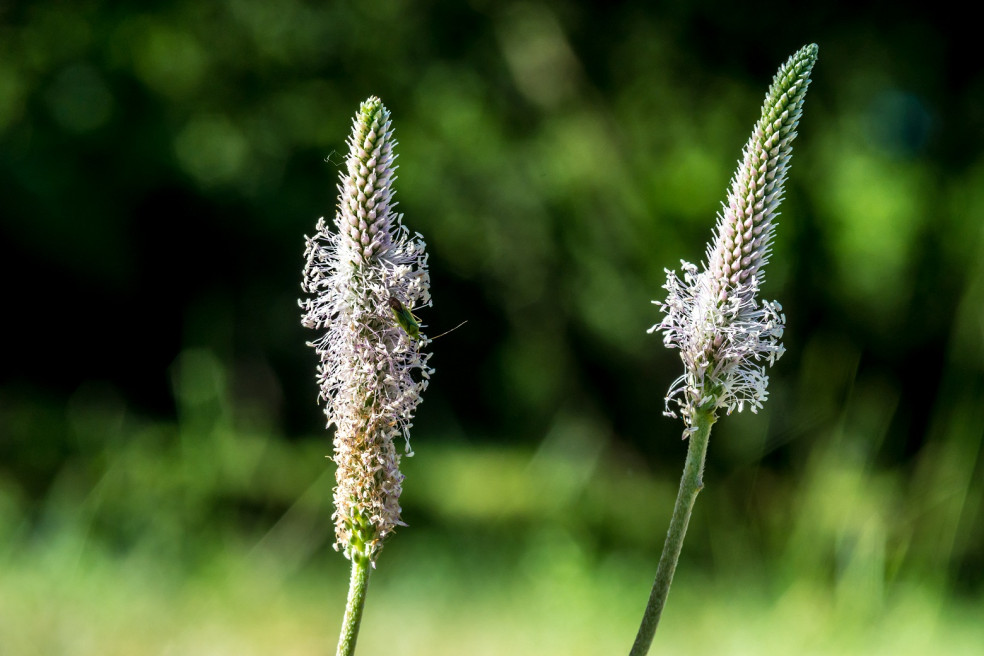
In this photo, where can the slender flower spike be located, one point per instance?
(372, 372)
(724, 333)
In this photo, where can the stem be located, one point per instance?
(690, 484)
(358, 585)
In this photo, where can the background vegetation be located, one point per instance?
(163, 487)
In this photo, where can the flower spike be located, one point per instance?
(724, 333)
(372, 373)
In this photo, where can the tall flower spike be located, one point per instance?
(372, 372)
(723, 331)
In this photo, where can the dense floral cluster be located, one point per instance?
(372, 372)
(724, 333)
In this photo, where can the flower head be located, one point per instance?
(724, 333)
(372, 372)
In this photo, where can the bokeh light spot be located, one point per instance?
(212, 150)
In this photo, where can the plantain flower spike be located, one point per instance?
(371, 373)
(724, 333)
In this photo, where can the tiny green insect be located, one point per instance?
(405, 318)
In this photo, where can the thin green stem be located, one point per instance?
(358, 585)
(690, 484)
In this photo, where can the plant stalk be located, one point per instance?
(358, 585)
(690, 484)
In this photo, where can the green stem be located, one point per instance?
(690, 484)
(358, 586)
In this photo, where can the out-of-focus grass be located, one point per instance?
(205, 538)
(431, 596)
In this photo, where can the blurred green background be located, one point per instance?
(163, 486)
